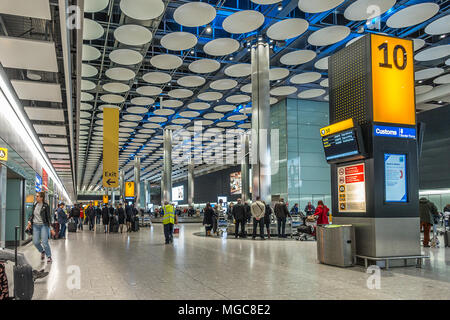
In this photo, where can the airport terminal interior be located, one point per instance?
(224, 149)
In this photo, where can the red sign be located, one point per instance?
(354, 169)
(354, 178)
(44, 180)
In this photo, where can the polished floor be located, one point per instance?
(140, 266)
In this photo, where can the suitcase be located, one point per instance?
(446, 238)
(72, 226)
(55, 230)
(304, 229)
(114, 225)
(23, 277)
(176, 229)
(136, 224)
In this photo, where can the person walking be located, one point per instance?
(98, 214)
(75, 214)
(281, 212)
(309, 209)
(258, 210)
(62, 220)
(90, 212)
(267, 218)
(121, 214)
(80, 225)
(40, 221)
(208, 219)
(322, 213)
(128, 215)
(426, 209)
(105, 217)
(169, 219)
(239, 215)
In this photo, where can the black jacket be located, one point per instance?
(45, 214)
(239, 212)
(267, 213)
(209, 216)
(74, 212)
(105, 214)
(281, 210)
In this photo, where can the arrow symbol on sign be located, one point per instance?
(109, 182)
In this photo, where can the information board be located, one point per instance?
(395, 176)
(235, 183)
(38, 183)
(341, 145)
(178, 193)
(351, 188)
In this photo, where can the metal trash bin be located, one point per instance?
(336, 245)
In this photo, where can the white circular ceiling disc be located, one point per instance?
(311, 93)
(194, 14)
(198, 106)
(418, 43)
(221, 47)
(116, 87)
(151, 125)
(224, 108)
(88, 71)
(297, 57)
(180, 93)
(445, 79)
(92, 6)
(428, 73)
(149, 90)
(243, 21)
(156, 77)
(171, 103)
(278, 73)
(318, 5)
(283, 91)
(85, 106)
(89, 53)
(306, 77)
(433, 53)
(322, 64)
(238, 98)
(87, 85)
(178, 41)
(85, 96)
(92, 29)
(166, 61)
(181, 121)
(273, 100)
(189, 114)
(223, 84)
(237, 117)
(238, 70)
(164, 112)
(138, 110)
(265, 2)
(142, 9)
(412, 15)
(204, 66)
(133, 35)
(210, 96)
(213, 116)
(287, 29)
(157, 119)
(324, 83)
(423, 89)
(247, 88)
(439, 26)
(142, 101)
(125, 57)
(112, 98)
(225, 124)
(132, 117)
(367, 9)
(120, 74)
(191, 81)
(328, 35)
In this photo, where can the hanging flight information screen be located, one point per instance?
(342, 145)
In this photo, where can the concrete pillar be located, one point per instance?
(261, 173)
(3, 178)
(245, 168)
(146, 192)
(190, 185)
(137, 181)
(122, 185)
(166, 181)
(113, 197)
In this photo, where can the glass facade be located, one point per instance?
(303, 175)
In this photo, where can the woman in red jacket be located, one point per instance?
(322, 213)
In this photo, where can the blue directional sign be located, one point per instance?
(394, 132)
(38, 183)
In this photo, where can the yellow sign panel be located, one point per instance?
(3, 154)
(110, 147)
(105, 199)
(129, 189)
(393, 80)
(337, 127)
(96, 203)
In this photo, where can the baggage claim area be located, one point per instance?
(250, 150)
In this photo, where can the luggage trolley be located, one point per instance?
(307, 231)
(222, 225)
(296, 222)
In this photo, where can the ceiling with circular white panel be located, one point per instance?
(175, 64)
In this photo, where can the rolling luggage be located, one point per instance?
(72, 226)
(136, 224)
(446, 238)
(114, 225)
(55, 231)
(23, 278)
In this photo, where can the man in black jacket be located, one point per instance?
(75, 213)
(90, 215)
(105, 217)
(281, 212)
(239, 214)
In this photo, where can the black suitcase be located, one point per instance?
(23, 278)
(446, 238)
(72, 226)
(304, 229)
(114, 224)
(136, 224)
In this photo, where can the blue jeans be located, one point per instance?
(62, 230)
(41, 234)
(168, 232)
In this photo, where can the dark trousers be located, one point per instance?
(214, 224)
(91, 223)
(62, 230)
(168, 232)
(281, 226)
(97, 219)
(426, 233)
(261, 227)
(236, 231)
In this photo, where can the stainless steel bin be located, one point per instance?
(336, 245)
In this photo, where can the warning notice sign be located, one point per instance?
(351, 188)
